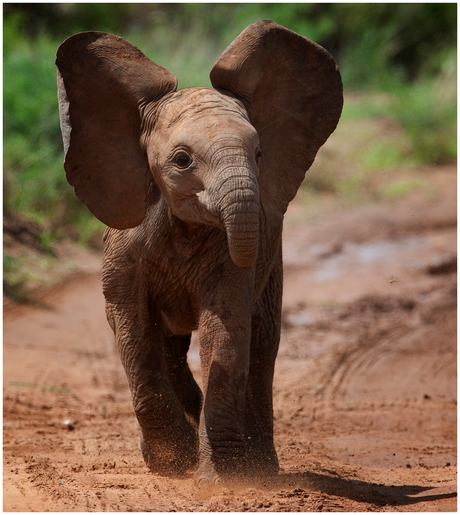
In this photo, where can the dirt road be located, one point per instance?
(365, 383)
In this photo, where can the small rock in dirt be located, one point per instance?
(69, 424)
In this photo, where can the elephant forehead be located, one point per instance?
(202, 107)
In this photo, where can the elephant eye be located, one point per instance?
(183, 160)
(258, 154)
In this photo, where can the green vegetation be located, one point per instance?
(23, 272)
(34, 180)
(398, 63)
(62, 389)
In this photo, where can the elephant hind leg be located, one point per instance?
(181, 377)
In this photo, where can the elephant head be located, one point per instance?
(217, 155)
(203, 153)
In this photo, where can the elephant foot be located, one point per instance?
(167, 459)
(206, 480)
(261, 460)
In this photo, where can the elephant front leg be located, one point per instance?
(224, 346)
(266, 328)
(168, 439)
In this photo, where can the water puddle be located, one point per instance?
(405, 252)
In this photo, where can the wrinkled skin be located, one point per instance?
(193, 185)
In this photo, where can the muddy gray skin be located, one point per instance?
(193, 185)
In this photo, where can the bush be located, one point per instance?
(34, 179)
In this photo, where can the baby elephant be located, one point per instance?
(193, 185)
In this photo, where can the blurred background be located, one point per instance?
(398, 64)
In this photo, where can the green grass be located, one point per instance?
(14, 278)
(399, 188)
(34, 179)
(29, 271)
(425, 109)
(22, 273)
(400, 125)
(61, 389)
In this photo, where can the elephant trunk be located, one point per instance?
(240, 217)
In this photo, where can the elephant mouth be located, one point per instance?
(209, 214)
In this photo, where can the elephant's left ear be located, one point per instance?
(294, 96)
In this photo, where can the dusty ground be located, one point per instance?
(365, 384)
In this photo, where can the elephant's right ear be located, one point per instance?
(103, 82)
